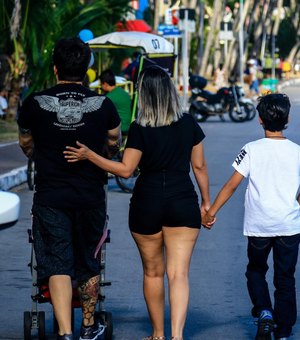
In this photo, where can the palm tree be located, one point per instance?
(258, 22)
(33, 28)
(212, 34)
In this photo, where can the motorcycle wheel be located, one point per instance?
(239, 117)
(252, 110)
(199, 116)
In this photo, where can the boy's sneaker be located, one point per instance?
(265, 326)
(92, 332)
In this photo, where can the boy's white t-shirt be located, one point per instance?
(273, 169)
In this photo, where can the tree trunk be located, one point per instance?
(156, 14)
(295, 8)
(211, 36)
(232, 61)
(200, 38)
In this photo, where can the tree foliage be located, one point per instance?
(30, 34)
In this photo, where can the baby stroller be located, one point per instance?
(34, 320)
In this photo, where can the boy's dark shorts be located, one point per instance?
(65, 241)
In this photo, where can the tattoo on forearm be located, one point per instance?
(26, 142)
(113, 146)
(28, 150)
(88, 292)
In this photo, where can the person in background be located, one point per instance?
(286, 69)
(164, 215)
(131, 71)
(220, 77)
(251, 73)
(119, 97)
(272, 217)
(69, 204)
(3, 103)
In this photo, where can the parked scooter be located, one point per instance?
(229, 100)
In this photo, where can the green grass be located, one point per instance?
(8, 131)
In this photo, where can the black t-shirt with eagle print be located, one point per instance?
(58, 117)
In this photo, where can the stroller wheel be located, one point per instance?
(27, 325)
(108, 333)
(42, 328)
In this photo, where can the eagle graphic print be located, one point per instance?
(69, 110)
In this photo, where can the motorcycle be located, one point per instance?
(231, 100)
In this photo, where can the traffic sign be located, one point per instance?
(167, 30)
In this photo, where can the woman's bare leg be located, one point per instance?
(179, 243)
(152, 255)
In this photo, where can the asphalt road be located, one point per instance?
(11, 157)
(219, 303)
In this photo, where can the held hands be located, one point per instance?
(76, 154)
(207, 219)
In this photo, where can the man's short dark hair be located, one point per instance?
(71, 56)
(273, 110)
(108, 77)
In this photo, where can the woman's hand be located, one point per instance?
(208, 220)
(77, 154)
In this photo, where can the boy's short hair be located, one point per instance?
(108, 77)
(273, 110)
(71, 56)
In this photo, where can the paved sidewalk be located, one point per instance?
(13, 165)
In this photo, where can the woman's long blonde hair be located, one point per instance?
(158, 102)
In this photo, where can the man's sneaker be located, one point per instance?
(92, 332)
(65, 337)
(265, 326)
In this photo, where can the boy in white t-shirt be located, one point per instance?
(272, 216)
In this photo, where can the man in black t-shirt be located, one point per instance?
(69, 208)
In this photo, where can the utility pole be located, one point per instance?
(274, 35)
(200, 35)
(241, 43)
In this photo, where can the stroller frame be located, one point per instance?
(35, 319)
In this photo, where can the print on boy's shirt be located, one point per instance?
(69, 111)
(240, 156)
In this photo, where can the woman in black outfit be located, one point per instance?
(164, 215)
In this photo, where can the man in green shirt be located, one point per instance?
(120, 98)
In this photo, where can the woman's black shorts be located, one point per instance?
(163, 199)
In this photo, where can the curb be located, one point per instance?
(13, 178)
(289, 82)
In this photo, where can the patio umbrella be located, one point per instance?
(137, 25)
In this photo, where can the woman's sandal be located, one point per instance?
(176, 338)
(151, 337)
